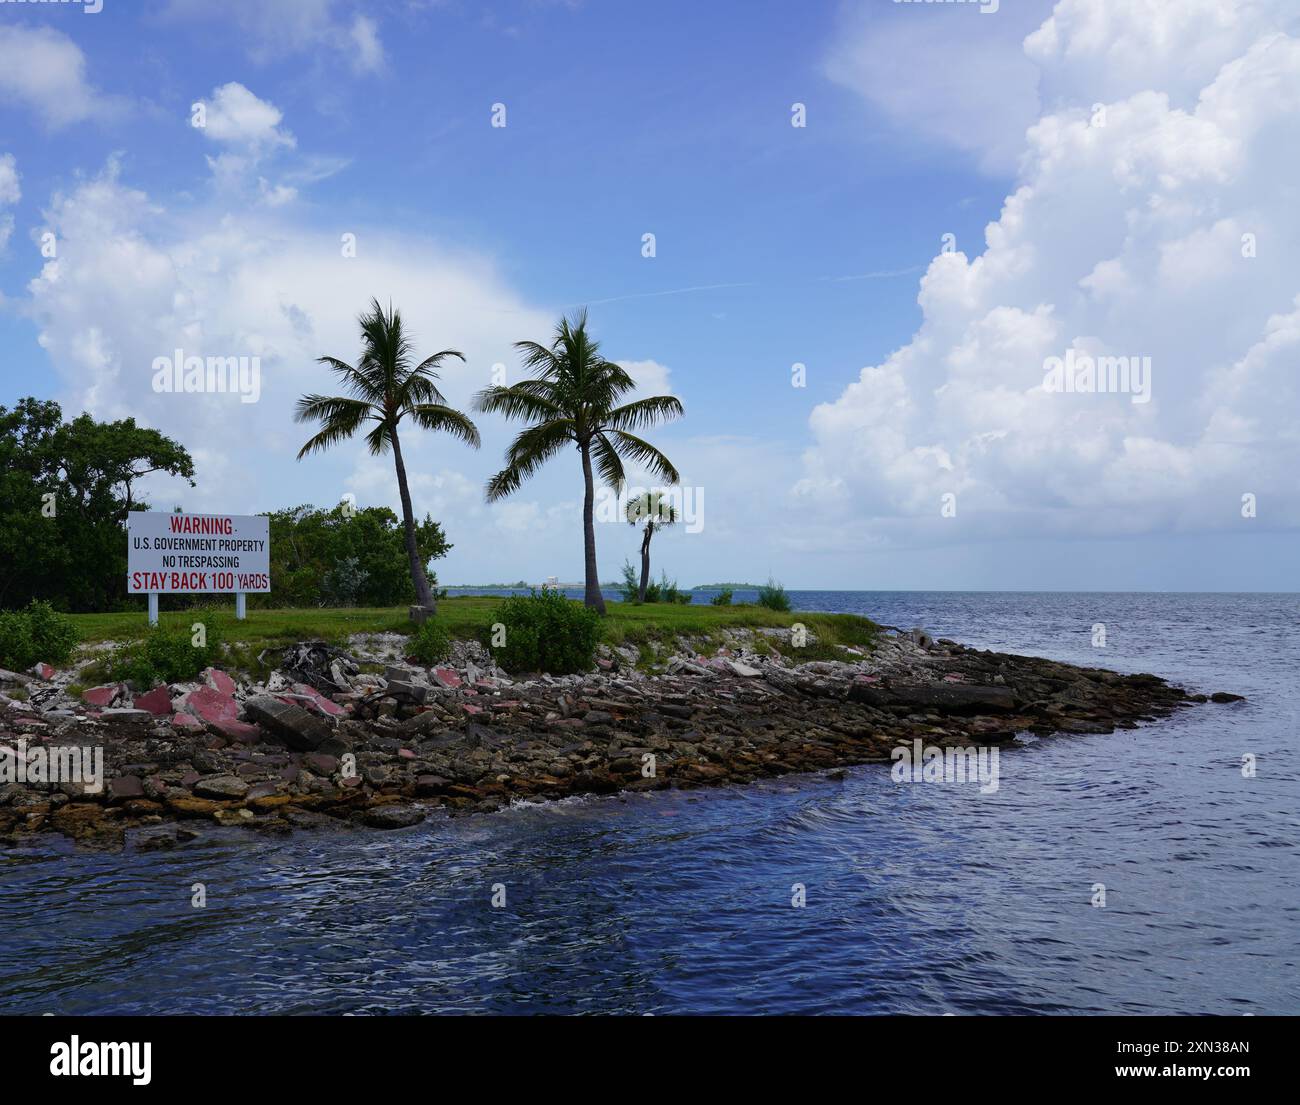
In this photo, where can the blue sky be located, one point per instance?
(774, 245)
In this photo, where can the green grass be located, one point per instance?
(465, 618)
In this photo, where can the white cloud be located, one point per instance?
(10, 193)
(949, 74)
(1124, 239)
(288, 27)
(44, 71)
(136, 280)
(365, 40)
(237, 118)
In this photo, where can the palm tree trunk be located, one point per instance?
(645, 562)
(422, 594)
(593, 597)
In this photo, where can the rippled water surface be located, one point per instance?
(920, 898)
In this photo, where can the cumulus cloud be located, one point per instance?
(136, 280)
(43, 71)
(1157, 227)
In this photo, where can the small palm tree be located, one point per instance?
(384, 390)
(573, 399)
(654, 509)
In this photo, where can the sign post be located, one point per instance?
(197, 554)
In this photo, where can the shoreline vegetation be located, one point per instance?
(319, 718)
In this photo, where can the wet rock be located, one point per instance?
(394, 817)
(1224, 696)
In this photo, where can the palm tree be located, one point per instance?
(656, 511)
(384, 390)
(572, 399)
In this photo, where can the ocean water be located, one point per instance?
(920, 898)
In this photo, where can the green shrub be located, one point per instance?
(430, 643)
(773, 596)
(164, 656)
(663, 590)
(545, 632)
(722, 598)
(35, 634)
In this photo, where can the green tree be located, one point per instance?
(384, 389)
(654, 510)
(345, 556)
(65, 491)
(572, 399)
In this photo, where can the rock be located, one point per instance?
(395, 674)
(212, 705)
(745, 671)
(186, 721)
(920, 637)
(317, 701)
(103, 696)
(221, 788)
(1224, 696)
(408, 692)
(394, 817)
(219, 681)
(298, 729)
(157, 701)
(126, 786)
(320, 763)
(239, 731)
(944, 698)
(125, 714)
(43, 671)
(7, 676)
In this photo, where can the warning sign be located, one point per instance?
(189, 554)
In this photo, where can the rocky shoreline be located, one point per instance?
(323, 742)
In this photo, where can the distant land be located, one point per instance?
(732, 586)
(524, 584)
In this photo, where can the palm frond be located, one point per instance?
(645, 412)
(645, 454)
(435, 416)
(608, 462)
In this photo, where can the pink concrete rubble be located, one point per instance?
(43, 671)
(186, 721)
(240, 731)
(218, 680)
(157, 701)
(446, 677)
(317, 701)
(211, 705)
(103, 696)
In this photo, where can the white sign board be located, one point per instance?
(191, 554)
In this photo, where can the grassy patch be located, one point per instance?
(467, 617)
